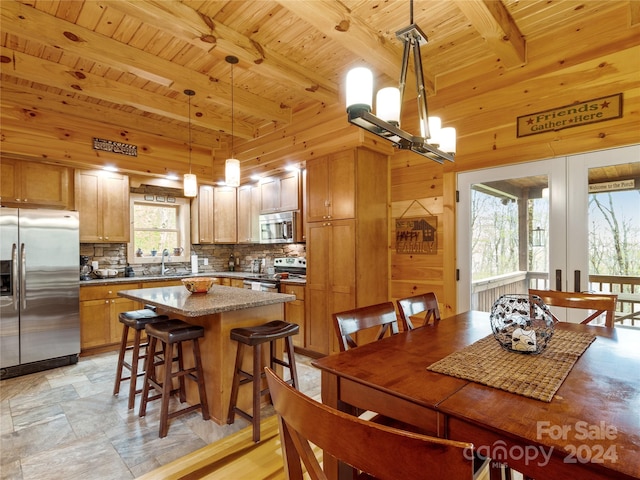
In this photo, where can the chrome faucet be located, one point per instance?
(165, 253)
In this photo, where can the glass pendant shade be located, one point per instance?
(448, 140)
(388, 105)
(232, 172)
(190, 185)
(359, 88)
(435, 125)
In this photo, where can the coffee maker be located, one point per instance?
(85, 268)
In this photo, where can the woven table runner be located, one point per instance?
(535, 376)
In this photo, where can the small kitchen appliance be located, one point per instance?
(85, 268)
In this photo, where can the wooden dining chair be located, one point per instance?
(597, 303)
(425, 304)
(349, 322)
(380, 451)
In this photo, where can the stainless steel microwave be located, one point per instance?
(278, 227)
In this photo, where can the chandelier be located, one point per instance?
(434, 142)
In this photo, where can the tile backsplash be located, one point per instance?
(114, 255)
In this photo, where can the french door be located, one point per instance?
(568, 223)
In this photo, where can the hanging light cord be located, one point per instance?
(190, 134)
(232, 156)
(411, 12)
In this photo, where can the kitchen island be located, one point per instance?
(218, 311)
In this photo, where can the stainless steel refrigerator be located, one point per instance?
(39, 304)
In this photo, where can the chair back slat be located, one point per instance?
(352, 321)
(601, 303)
(424, 304)
(380, 451)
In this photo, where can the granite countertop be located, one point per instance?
(219, 299)
(158, 278)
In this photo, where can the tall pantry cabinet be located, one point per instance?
(347, 225)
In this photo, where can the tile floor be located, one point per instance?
(66, 424)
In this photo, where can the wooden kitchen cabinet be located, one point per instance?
(280, 193)
(214, 215)
(331, 280)
(34, 184)
(100, 307)
(346, 257)
(294, 311)
(102, 200)
(331, 187)
(249, 214)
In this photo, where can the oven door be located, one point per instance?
(271, 287)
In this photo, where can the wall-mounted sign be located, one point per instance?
(583, 113)
(115, 147)
(612, 186)
(416, 235)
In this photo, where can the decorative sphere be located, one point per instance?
(198, 284)
(522, 323)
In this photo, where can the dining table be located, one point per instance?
(588, 427)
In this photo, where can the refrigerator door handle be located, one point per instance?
(14, 275)
(23, 276)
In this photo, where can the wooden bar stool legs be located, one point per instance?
(170, 333)
(136, 319)
(254, 337)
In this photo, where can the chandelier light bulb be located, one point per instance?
(359, 88)
(388, 105)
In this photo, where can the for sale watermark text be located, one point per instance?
(582, 432)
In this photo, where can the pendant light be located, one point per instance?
(190, 180)
(232, 165)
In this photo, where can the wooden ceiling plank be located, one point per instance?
(184, 22)
(32, 68)
(71, 107)
(336, 22)
(26, 21)
(496, 26)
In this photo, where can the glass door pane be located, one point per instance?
(505, 226)
(611, 205)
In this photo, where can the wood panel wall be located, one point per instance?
(587, 61)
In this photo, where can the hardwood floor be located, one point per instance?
(66, 424)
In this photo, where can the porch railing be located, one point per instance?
(484, 292)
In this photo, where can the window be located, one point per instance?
(158, 225)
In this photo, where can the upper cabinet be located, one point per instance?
(214, 215)
(281, 193)
(102, 199)
(331, 187)
(249, 214)
(34, 184)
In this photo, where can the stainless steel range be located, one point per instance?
(285, 267)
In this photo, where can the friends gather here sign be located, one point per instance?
(583, 113)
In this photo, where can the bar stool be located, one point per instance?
(136, 319)
(170, 333)
(255, 337)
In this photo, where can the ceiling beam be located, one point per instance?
(34, 69)
(182, 21)
(492, 20)
(18, 98)
(24, 21)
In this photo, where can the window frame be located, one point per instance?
(183, 206)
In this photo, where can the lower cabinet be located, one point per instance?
(294, 311)
(100, 307)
